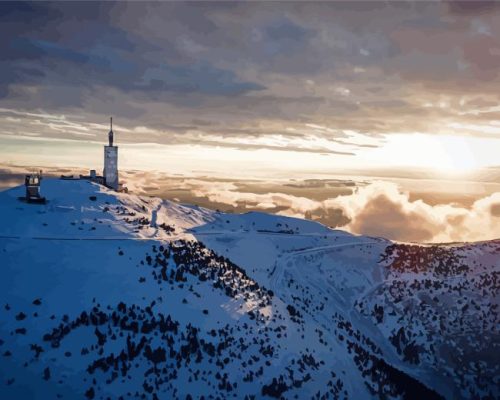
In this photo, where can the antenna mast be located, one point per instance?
(110, 134)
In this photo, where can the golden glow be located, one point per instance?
(443, 153)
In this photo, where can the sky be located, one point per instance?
(400, 92)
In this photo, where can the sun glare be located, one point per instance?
(445, 154)
(457, 157)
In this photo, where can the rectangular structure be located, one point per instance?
(111, 166)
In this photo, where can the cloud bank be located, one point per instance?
(378, 209)
(381, 209)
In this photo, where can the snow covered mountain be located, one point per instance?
(108, 295)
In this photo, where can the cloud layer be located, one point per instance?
(381, 209)
(251, 75)
(377, 209)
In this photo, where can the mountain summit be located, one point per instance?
(112, 295)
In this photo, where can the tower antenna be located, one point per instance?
(110, 133)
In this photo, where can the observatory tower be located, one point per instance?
(111, 161)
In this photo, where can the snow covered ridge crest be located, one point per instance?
(108, 295)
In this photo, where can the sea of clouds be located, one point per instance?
(380, 208)
(376, 208)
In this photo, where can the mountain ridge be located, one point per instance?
(297, 309)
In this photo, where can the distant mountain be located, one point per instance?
(109, 295)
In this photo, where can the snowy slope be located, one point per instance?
(108, 295)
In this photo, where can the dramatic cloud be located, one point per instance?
(378, 209)
(381, 209)
(253, 70)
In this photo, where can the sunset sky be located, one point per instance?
(360, 91)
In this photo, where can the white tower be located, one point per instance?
(110, 172)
